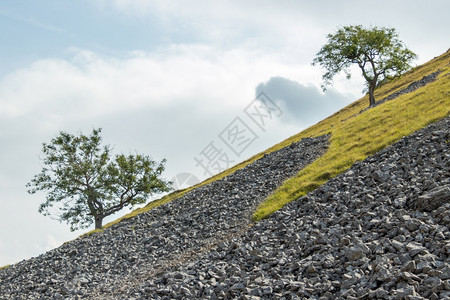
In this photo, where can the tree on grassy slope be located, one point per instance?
(377, 51)
(85, 184)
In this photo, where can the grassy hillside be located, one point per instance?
(353, 137)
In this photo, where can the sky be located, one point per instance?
(204, 84)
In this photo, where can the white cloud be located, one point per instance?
(172, 101)
(296, 27)
(168, 103)
(167, 94)
(258, 24)
(90, 85)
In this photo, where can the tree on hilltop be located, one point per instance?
(85, 184)
(377, 51)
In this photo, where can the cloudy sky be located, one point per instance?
(170, 79)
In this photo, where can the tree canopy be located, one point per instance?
(377, 51)
(84, 183)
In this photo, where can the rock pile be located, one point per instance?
(412, 87)
(102, 264)
(379, 230)
(409, 89)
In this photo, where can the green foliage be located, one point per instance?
(434, 98)
(5, 267)
(86, 184)
(355, 136)
(377, 51)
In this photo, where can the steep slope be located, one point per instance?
(170, 234)
(355, 135)
(359, 234)
(379, 230)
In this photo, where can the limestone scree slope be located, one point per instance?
(379, 230)
(136, 248)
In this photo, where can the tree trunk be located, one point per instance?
(98, 222)
(371, 94)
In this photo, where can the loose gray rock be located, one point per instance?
(361, 235)
(357, 236)
(434, 199)
(152, 242)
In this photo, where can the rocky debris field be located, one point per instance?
(409, 89)
(412, 87)
(379, 230)
(123, 256)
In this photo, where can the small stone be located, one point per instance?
(296, 285)
(413, 224)
(355, 253)
(433, 282)
(406, 218)
(399, 202)
(433, 296)
(444, 294)
(401, 238)
(445, 273)
(384, 275)
(267, 290)
(381, 293)
(406, 291)
(409, 276)
(434, 199)
(447, 248)
(58, 296)
(81, 280)
(435, 273)
(380, 176)
(348, 293)
(414, 248)
(415, 297)
(238, 286)
(347, 277)
(423, 267)
(345, 241)
(398, 245)
(311, 269)
(254, 291)
(447, 284)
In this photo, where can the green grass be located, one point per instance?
(352, 139)
(5, 267)
(357, 137)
